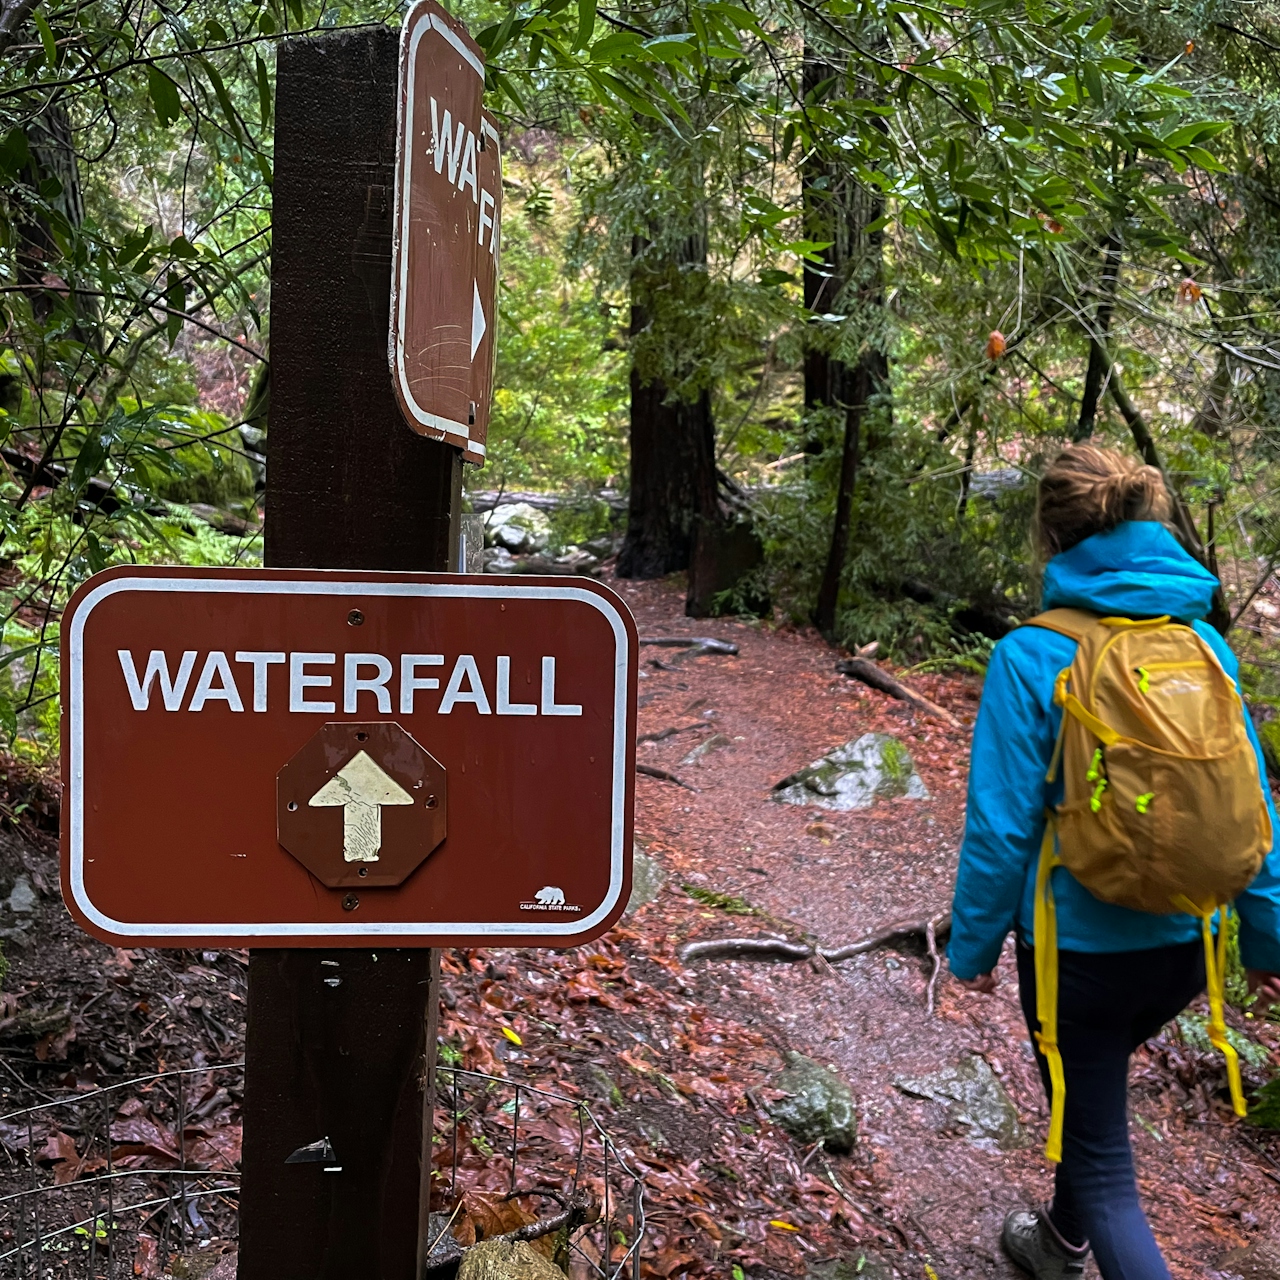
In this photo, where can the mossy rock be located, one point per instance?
(819, 1106)
(873, 767)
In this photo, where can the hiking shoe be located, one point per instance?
(1033, 1242)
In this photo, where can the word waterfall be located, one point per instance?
(244, 679)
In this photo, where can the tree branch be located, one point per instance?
(13, 13)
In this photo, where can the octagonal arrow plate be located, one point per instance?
(362, 805)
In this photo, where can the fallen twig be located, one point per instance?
(879, 678)
(652, 771)
(707, 644)
(780, 949)
(581, 1208)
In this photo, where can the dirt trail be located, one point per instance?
(839, 876)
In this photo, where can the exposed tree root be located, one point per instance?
(670, 731)
(652, 771)
(704, 644)
(879, 678)
(928, 931)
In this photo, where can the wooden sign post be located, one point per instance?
(349, 488)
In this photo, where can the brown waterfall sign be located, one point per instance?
(309, 758)
(446, 238)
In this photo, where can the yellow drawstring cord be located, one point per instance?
(1046, 945)
(1215, 965)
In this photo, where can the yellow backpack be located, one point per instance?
(1162, 808)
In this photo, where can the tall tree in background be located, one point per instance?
(844, 280)
(673, 464)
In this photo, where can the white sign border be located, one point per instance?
(338, 587)
(418, 22)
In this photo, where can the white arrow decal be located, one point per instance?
(478, 323)
(361, 787)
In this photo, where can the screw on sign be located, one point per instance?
(410, 759)
(446, 238)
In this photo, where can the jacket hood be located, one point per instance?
(1136, 570)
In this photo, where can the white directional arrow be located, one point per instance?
(361, 787)
(478, 323)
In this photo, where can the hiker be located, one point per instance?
(1111, 739)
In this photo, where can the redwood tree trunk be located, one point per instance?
(849, 280)
(673, 461)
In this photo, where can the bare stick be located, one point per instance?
(879, 678)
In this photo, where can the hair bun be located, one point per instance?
(1087, 490)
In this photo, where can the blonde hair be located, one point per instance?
(1087, 490)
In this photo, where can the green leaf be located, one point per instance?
(224, 99)
(15, 155)
(1093, 83)
(607, 48)
(175, 297)
(94, 553)
(264, 93)
(12, 655)
(164, 96)
(1204, 159)
(46, 38)
(1098, 32)
(586, 23)
(132, 245)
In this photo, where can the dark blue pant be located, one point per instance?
(1108, 1004)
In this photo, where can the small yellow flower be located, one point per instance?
(511, 1035)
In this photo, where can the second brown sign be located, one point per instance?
(446, 239)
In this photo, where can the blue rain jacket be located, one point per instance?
(1137, 570)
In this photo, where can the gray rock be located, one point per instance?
(873, 767)
(1259, 1260)
(23, 899)
(974, 1097)
(446, 1252)
(499, 560)
(713, 743)
(820, 1106)
(518, 527)
(647, 879)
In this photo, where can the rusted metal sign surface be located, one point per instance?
(446, 239)
(259, 757)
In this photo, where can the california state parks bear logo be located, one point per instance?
(548, 898)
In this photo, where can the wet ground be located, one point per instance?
(1210, 1183)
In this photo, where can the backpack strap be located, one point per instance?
(1075, 624)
